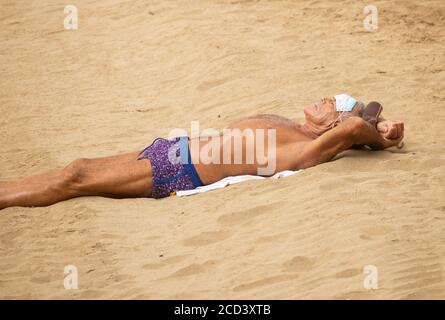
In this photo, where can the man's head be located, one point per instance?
(329, 112)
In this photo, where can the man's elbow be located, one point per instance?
(354, 126)
(361, 131)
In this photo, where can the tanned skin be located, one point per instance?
(298, 146)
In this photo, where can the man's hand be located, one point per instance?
(390, 129)
(389, 134)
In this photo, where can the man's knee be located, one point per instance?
(74, 174)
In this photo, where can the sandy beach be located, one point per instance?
(135, 70)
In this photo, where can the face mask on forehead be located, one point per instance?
(344, 103)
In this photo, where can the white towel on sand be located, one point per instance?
(232, 180)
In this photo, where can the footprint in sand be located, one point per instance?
(265, 282)
(206, 238)
(349, 273)
(42, 279)
(194, 268)
(7, 239)
(239, 217)
(215, 83)
(298, 264)
(165, 262)
(279, 237)
(374, 232)
(112, 236)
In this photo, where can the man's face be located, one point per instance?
(321, 113)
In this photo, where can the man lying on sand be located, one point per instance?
(332, 126)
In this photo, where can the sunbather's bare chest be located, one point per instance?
(247, 145)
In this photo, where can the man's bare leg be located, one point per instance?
(117, 177)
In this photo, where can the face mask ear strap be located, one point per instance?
(338, 118)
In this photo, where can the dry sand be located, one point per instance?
(134, 71)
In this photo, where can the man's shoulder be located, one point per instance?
(272, 117)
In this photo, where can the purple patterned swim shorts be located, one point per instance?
(171, 166)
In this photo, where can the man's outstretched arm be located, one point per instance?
(353, 131)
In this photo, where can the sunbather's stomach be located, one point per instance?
(217, 157)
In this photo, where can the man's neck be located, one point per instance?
(308, 131)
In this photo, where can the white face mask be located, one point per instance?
(343, 102)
